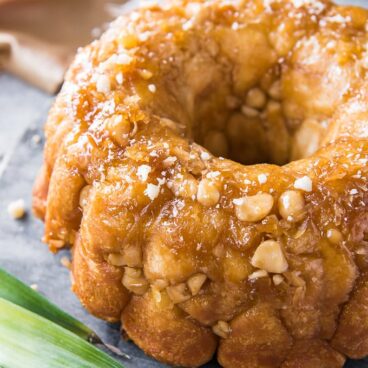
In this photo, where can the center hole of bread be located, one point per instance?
(248, 128)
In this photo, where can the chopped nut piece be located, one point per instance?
(116, 259)
(257, 274)
(156, 294)
(196, 282)
(292, 205)
(273, 107)
(275, 90)
(262, 178)
(178, 293)
(269, 256)
(249, 111)
(34, 287)
(253, 208)
(334, 236)
(56, 243)
(222, 329)
(134, 280)
(152, 88)
(304, 183)
(256, 98)
(131, 256)
(277, 279)
(65, 261)
(185, 187)
(207, 193)
(145, 74)
(17, 209)
(160, 284)
(118, 129)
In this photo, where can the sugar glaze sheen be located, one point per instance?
(207, 162)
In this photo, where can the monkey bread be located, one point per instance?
(207, 162)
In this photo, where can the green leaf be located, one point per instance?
(18, 293)
(28, 340)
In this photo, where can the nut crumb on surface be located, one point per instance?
(222, 329)
(258, 274)
(36, 139)
(269, 256)
(17, 209)
(65, 261)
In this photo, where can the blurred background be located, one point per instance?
(38, 39)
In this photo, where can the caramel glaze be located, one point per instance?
(196, 253)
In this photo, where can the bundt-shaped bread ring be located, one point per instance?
(265, 263)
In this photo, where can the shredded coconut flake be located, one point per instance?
(205, 156)
(123, 59)
(152, 191)
(119, 78)
(238, 201)
(262, 178)
(257, 274)
(143, 172)
(169, 161)
(304, 183)
(103, 84)
(213, 174)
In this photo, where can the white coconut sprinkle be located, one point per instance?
(213, 174)
(205, 156)
(257, 274)
(238, 201)
(143, 172)
(123, 59)
(152, 191)
(169, 161)
(119, 78)
(262, 178)
(103, 84)
(304, 183)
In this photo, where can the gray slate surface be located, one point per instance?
(22, 113)
(23, 254)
